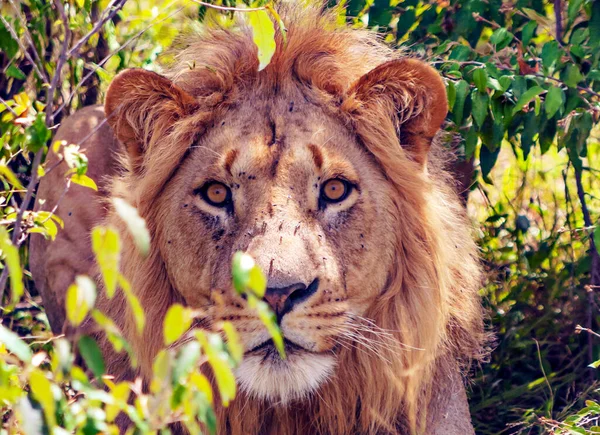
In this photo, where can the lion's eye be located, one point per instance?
(216, 194)
(335, 190)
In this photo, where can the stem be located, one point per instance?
(558, 15)
(116, 8)
(595, 269)
(14, 35)
(228, 8)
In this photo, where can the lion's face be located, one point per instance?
(292, 187)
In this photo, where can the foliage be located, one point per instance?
(523, 81)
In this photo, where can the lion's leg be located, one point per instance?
(448, 411)
(54, 264)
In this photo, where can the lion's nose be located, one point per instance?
(283, 299)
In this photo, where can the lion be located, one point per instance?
(327, 167)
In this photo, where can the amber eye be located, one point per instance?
(216, 194)
(335, 190)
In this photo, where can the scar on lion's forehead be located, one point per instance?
(230, 157)
(316, 155)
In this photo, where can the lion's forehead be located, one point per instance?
(281, 140)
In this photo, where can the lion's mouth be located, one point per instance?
(268, 349)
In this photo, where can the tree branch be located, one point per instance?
(118, 5)
(595, 268)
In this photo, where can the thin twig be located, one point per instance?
(107, 58)
(228, 8)
(118, 5)
(595, 269)
(62, 59)
(14, 35)
(60, 198)
(27, 34)
(10, 109)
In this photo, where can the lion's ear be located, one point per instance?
(141, 107)
(408, 93)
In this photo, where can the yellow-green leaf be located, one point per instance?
(107, 248)
(221, 369)
(269, 319)
(135, 224)
(11, 260)
(236, 349)
(8, 175)
(263, 35)
(161, 369)
(177, 321)
(120, 393)
(41, 389)
(247, 275)
(134, 303)
(81, 297)
(84, 180)
(202, 384)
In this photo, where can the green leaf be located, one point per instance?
(135, 224)
(247, 276)
(107, 248)
(480, 107)
(37, 134)
(451, 92)
(177, 321)
(11, 260)
(88, 348)
(480, 78)
(263, 35)
(594, 25)
(84, 180)
(471, 140)
(15, 345)
(527, 32)
(81, 297)
(527, 97)
(550, 54)
(597, 235)
(572, 76)
(554, 101)
(501, 38)
(13, 71)
(505, 82)
(487, 160)
(462, 88)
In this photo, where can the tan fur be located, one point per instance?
(396, 311)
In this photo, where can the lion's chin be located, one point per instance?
(268, 377)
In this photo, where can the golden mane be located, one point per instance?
(430, 306)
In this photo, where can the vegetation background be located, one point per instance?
(523, 81)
